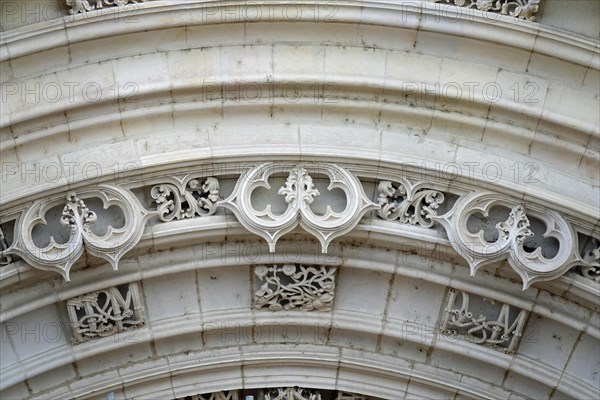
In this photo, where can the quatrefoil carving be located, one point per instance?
(299, 194)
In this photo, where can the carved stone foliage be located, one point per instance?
(299, 193)
(4, 260)
(524, 9)
(292, 394)
(79, 220)
(186, 198)
(589, 258)
(511, 236)
(407, 203)
(105, 312)
(295, 393)
(295, 287)
(500, 326)
(81, 6)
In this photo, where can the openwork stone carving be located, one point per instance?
(499, 327)
(524, 9)
(76, 216)
(186, 198)
(408, 204)
(530, 265)
(105, 312)
(299, 194)
(78, 6)
(589, 261)
(4, 260)
(292, 394)
(295, 287)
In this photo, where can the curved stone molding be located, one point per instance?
(186, 198)
(295, 287)
(299, 193)
(79, 219)
(531, 266)
(524, 9)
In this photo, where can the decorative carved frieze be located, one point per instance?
(299, 193)
(538, 243)
(524, 9)
(186, 198)
(292, 394)
(295, 393)
(500, 326)
(295, 287)
(79, 220)
(81, 6)
(105, 312)
(408, 204)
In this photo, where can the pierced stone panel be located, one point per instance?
(81, 6)
(289, 393)
(408, 204)
(524, 9)
(105, 312)
(295, 287)
(589, 254)
(483, 321)
(187, 197)
(4, 260)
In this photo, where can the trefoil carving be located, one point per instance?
(295, 287)
(501, 327)
(79, 219)
(530, 264)
(105, 312)
(299, 193)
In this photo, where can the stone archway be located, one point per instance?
(380, 201)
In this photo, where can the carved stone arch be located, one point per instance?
(432, 239)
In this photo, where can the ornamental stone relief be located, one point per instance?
(295, 287)
(105, 312)
(186, 198)
(326, 200)
(524, 9)
(80, 6)
(299, 194)
(295, 393)
(482, 321)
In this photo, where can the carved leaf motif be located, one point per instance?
(195, 200)
(299, 185)
(81, 6)
(516, 227)
(418, 208)
(524, 9)
(290, 287)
